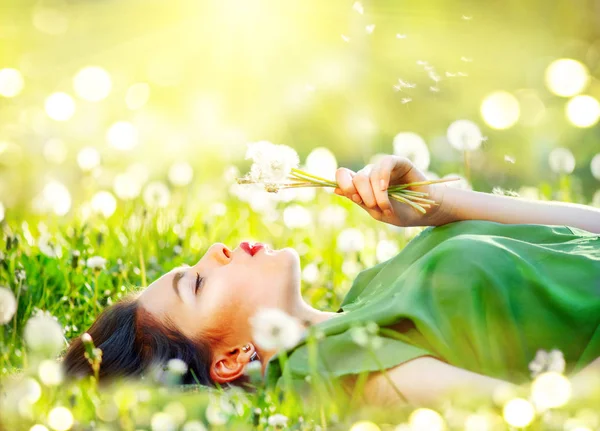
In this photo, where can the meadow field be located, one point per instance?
(123, 129)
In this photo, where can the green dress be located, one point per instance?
(479, 295)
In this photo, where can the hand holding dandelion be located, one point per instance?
(393, 178)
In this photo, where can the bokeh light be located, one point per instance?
(296, 217)
(550, 390)
(595, 166)
(561, 161)
(92, 83)
(518, 412)
(566, 77)
(365, 426)
(583, 111)
(181, 174)
(11, 82)
(88, 158)
(60, 419)
(38, 427)
(413, 147)
(57, 198)
(157, 195)
(321, 162)
(50, 372)
(49, 20)
(104, 202)
(423, 419)
(122, 135)
(55, 151)
(500, 110)
(464, 135)
(127, 186)
(137, 95)
(60, 106)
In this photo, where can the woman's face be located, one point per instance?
(234, 285)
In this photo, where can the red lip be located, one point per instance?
(251, 250)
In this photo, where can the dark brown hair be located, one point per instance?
(133, 341)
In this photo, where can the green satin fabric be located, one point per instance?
(479, 295)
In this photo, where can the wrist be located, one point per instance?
(444, 211)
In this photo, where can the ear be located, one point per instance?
(229, 364)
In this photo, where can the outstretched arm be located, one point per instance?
(457, 204)
(368, 188)
(427, 381)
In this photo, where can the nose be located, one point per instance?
(220, 252)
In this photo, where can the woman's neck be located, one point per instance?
(309, 315)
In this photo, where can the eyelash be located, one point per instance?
(199, 281)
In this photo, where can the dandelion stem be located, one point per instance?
(406, 201)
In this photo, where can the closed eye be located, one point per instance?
(199, 281)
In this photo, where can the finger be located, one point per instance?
(381, 195)
(343, 178)
(364, 188)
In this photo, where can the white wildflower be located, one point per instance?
(157, 195)
(177, 366)
(8, 305)
(350, 239)
(48, 247)
(273, 328)
(464, 135)
(547, 361)
(278, 420)
(96, 262)
(44, 334)
(561, 161)
(413, 147)
(271, 163)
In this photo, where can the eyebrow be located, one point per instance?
(179, 274)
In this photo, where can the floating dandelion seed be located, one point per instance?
(397, 88)
(370, 28)
(467, 17)
(450, 74)
(405, 100)
(405, 84)
(462, 73)
(466, 59)
(400, 36)
(429, 68)
(422, 63)
(345, 38)
(434, 76)
(434, 89)
(509, 159)
(358, 7)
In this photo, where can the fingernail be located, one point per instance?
(382, 184)
(356, 198)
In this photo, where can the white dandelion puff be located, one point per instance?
(464, 135)
(544, 361)
(271, 163)
(278, 420)
(273, 329)
(561, 161)
(8, 305)
(358, 7)
(413, 147)
(96, 262)
(177, 366)
(44, 334)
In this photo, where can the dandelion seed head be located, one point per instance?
(464, 135)
(8, 305)
(272, 328)
(413, 147)
(561, 161)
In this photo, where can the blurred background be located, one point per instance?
(104, 103)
